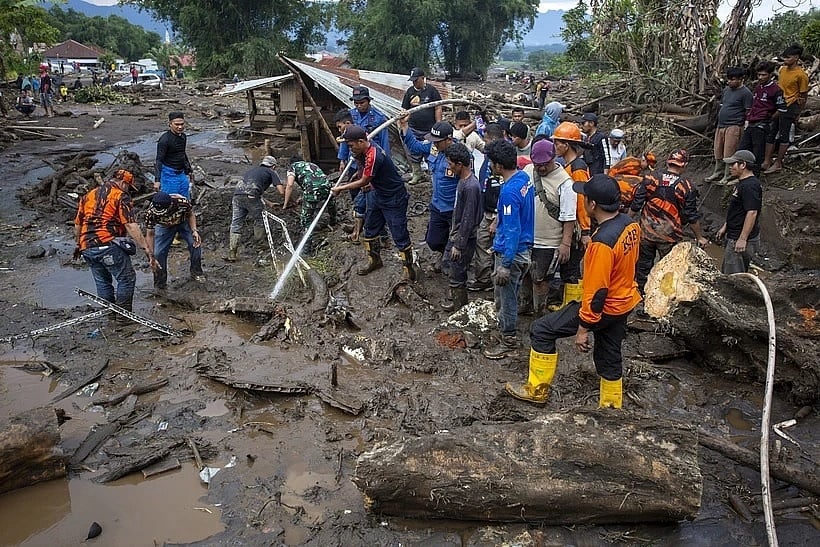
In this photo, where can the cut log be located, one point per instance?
(565, 468)
(723, 319)
(29, 449)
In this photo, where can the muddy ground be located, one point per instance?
(294, 453)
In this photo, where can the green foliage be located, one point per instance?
(227, 34)
(395, 35)
(810, 38)
(98, 94)
(28, 22)
(113, 33)
(770, 37)
(166, 55)
(575, 33)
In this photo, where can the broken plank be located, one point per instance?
(77, 386)
(161, 467)
(138, 389)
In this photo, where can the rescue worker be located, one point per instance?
(422, 121)
(512, 243)
(569, 146)
(665, 202)
(467, 215)
(104, 216)
(609, 296)
(167, 216)
(445, 182)
(377, 173)
(248, 202)
(366, 116)
(315, 190)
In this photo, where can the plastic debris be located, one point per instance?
(163, 426)
(89, 390)
(207, 474)
(94, 531)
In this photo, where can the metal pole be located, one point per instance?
(280, 283)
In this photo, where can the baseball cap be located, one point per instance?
(679, 157)
(602, 189)
(126, 176)
(542, 151)
(354, 133)
(415, 74)
(741, 155)
(617, 134)
(161, 200)
(520, 130)
(439, 132)
(360, 92)
(269, 161)
(589, 117)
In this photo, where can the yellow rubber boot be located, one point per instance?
(542, 371)
(573, 292)
(612, 393)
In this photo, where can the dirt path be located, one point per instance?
(295, 454)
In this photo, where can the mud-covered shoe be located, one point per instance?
(508, 347)
(477, 285)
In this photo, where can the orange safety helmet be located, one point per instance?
(651, 160)
(568, 131)
(126, 176)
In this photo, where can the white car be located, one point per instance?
(148, 80)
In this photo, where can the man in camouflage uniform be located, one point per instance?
(315, 190)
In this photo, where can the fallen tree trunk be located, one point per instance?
(723, 319)
(29, 449)
(584, 467)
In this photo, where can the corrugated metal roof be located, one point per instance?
(253, 84)
(387, 89)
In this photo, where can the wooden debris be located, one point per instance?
(76, 386)
(168, 465)
(565, 468)
(139, 389)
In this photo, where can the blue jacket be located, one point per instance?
(444, 182)
(370, 121)
(516, 218)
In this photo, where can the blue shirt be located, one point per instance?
(444, 181)
(516, 218)
(370, 121)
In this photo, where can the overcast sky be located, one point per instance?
(766, 10)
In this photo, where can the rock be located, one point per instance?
(35, 251)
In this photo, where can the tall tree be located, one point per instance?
(241, 35)
(462, 35)
(22, 23)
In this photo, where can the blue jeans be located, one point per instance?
(107, 263)
(506, 297)
(173, 182)
(163, 237)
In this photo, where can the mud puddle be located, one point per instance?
(131, 511)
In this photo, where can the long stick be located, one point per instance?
(280, 283)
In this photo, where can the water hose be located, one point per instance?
(766, 490)
(280, 283)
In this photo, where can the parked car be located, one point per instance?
(148, 80)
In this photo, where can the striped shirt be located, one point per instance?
(102, 215)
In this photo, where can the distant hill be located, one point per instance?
(133, 15)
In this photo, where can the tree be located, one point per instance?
(395, 35)
(769, 37)
(575, 33)
(242, 35)
(22, 23)
(810, 36)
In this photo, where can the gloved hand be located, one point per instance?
(502, 276)
(455, 254)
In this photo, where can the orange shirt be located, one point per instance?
(609, 270)
(793, 81)
(579, 172)
(102, 215)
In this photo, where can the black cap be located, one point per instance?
(162, 200)
(360, 92)
(589, 117)
(354, 133)
(602, 189)
(415, 74)
(439, 132)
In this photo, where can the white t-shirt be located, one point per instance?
(558, 190)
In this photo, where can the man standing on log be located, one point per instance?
(377, 173)
(173, 171)
(735, 103)
(512, 244)
(609, 297)
(169, 216)
(665, 202)
(767, 99)
(104, 216)
(741, 227)
(794, 82)
(421, 122)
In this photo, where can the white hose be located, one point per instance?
(280, 283)
(767, 414)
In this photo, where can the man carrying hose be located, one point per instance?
(377, 173)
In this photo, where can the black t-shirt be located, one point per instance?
(256, 181)
(423, 120)
(747, 195)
